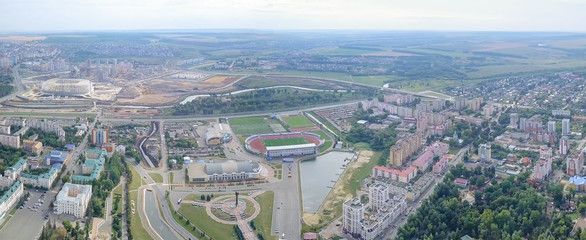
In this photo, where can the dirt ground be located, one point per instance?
(150, 99)
(339, 194)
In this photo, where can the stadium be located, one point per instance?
(67, 87)
(284, 144)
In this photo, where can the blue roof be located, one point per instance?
(57, 165)
(577, 180)
(56, 156)
(69, 145)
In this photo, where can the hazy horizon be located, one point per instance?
(182, 15)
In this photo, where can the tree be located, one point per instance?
(61, 233)
(65, 178)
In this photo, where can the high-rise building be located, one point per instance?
(484, 152)
(353, 215)
(100, 136)
(551, 127)
(378, 195)
(514, 119)
(566, 126)
(575, 163)
(564, 145)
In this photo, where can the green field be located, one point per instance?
(198, 217)
(156, 177)
(284, 141)
(298, 121)
(250, 125)
(264, 219)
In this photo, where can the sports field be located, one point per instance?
(297, 121)
(250, 125)
(284, 141)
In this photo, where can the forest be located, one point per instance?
(265, 100)
(5, 85)
(511, 209)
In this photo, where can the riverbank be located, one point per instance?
(331, 207)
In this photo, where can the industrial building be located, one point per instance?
(67, 87)
(73, 199)
(224, 172)
(213, 136)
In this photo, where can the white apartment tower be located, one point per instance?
(353, 216)
(379, 196)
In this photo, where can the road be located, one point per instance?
(17, 83)
(167, 216)
(154, 218)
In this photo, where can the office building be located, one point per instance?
(73, 199)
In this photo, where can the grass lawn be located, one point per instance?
(247, 121)
(136, 180)
(265, 217)
(170, 177)
(250, 125)
(327, 145)
(362, 145)
(298, 121)
(156, 177)
(284, 141)
(198, 217)
(363, 172)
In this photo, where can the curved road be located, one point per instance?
(167, 216)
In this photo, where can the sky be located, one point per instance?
(440, 15)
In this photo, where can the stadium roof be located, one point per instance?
(286, 147)
(230, 167)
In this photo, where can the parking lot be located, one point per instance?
(28, 221)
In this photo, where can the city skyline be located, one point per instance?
(500, 15)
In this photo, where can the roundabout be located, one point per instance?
(224, 209)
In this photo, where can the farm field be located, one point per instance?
(298, 121)
(284, 141)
